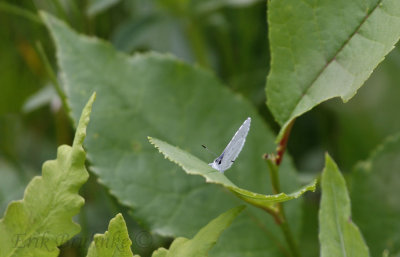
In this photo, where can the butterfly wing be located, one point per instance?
(234, 147)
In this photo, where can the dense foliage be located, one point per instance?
(162, 78)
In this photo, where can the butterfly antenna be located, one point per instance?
(205, 147)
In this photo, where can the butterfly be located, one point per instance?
(232, 150)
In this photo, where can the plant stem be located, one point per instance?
(274, 162)
(280, 151)
(53, 78)
(288, 233)
(280, 216)
(273, 172)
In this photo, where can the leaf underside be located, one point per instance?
(325, 49)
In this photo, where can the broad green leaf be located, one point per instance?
(338, 235)
(113, 243)
(375, 190)
(325, 49)
(195, 166)
(203, 241)
(42, 220)
(158, 95)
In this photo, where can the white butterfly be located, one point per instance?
(232, 150)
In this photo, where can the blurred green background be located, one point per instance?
(229, 37)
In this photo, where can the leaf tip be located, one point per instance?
(329, 162)
(327, 156)
(43, 15)
(84, 121)
(48, 19)
(152, 141)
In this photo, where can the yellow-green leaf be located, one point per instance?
(113, 243)
(42, 220)
(203, 241)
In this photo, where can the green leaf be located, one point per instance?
(195, 166)
(338, 235)
(42, 220)
(158, 95)
(113, 243)
(203, 241)
(325, 49)
(375, 190)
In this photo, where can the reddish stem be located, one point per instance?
(280, 151)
